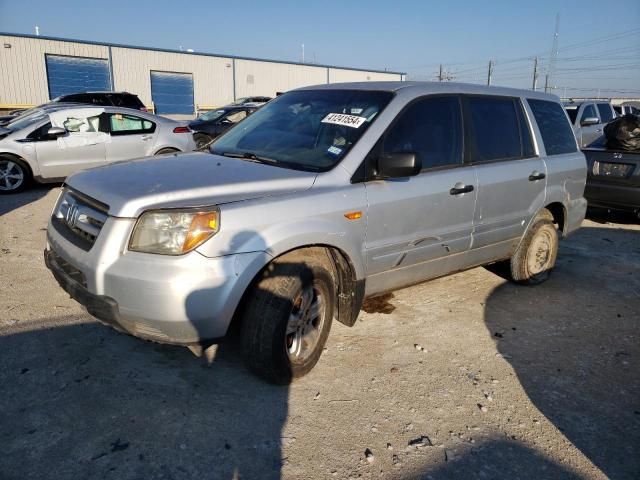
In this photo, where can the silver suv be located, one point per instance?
(323, 197)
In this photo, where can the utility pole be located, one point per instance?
(546, 83)
(440, 74)
(490, 72)
(553, 56)
(535, 73)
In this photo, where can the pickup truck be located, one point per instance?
(613, 178)
(588, 119)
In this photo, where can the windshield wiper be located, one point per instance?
(252, 157)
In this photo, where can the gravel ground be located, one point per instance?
(467, 376)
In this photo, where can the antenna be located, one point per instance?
(37, 31)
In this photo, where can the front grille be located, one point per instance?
(79, 218)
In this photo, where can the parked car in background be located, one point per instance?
(251, 101)
(215, 122)
(626, 109)
(588, 119)
(323, 197)
(51, 143)
(115, 99)
(613, 165)
(104, 99)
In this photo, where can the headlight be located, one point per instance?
(174, 232)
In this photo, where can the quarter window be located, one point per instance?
(430, 128)
(122, 124)
(554, 127)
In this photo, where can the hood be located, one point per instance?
(184, 180)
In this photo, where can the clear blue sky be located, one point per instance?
(599, 41)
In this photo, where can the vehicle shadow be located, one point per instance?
(573, 344)
(84, 401)
(498, 459)
(14, 201)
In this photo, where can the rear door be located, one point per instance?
(131, 136)
(511, 176)
(418, 226)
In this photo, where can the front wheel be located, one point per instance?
(288, 315)
(536, 256)
(14, 175)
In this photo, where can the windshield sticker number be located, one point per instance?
(352, 121)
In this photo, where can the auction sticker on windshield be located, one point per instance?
(352, 121)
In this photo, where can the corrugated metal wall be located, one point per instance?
(212, 76)
(267, 78)
(23, 75)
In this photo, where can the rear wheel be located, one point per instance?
(288, 315)
(14, 175)
(201, 139)
(536, 255)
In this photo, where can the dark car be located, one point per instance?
(215, 122)
(613, 180)
(104, 99)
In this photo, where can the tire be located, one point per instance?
(535, 257)
(288, 315)
(15, 175)
(201, 139)
(167, 150)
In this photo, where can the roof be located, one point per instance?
(205, 54)
(430, 88)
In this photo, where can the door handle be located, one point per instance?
(147, 137)
(460, 188)
(536, 176)
(598, 130)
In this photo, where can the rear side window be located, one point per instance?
(606, 114)
(430, 128)
(493, 129)
(554, 127)
(121, 124)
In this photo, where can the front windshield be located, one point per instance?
(306, 129)
(25, 121)
(212, 115)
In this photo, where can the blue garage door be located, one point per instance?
(76, 74)
(172, 92)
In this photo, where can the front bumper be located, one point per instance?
(181, 300)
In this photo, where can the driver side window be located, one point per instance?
(432, 129)
(588, 112)
(40, 133)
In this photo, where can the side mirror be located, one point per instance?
(398, 165)
(56, 132)
(590, 121)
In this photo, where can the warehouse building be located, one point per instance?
(36, 69)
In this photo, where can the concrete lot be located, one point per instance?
(506, 381)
